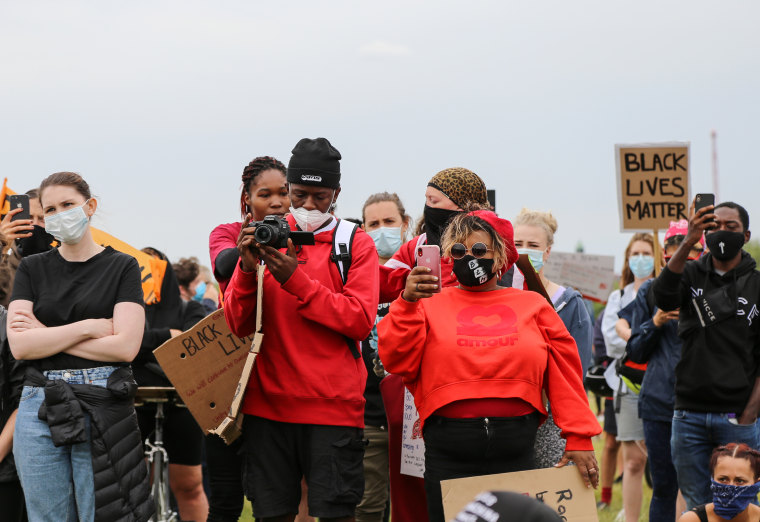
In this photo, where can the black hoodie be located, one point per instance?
(719, 362)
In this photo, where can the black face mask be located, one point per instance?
(724, 244)
(436, 220)
(39, 241)
(471, 271)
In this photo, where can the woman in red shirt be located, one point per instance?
(477, 358)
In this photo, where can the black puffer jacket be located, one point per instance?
(122, 489)
(11, 382)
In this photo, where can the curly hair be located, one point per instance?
(186, 270)
(462, 226)
(251, 172)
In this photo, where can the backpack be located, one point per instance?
(343, 238)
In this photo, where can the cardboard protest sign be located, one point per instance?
(412, 445)
(205, 364)
(562, 489)
(593, 276)
(653, 185)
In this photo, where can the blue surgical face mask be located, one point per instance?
(536, 257)
(387, 240)
(68, 226)
(199, 291)
(642, 266)
(731, 500)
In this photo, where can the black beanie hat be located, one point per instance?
(315, 162)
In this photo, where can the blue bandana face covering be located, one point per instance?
(641, 266)
(731, 500)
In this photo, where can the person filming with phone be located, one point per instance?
(477, 357)
(22, 233)
(717, 390)
(304, 404)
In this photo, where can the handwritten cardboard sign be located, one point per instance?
(204, 364)
(653, 185)
(593, 276)
(412, 445)
(562, 489)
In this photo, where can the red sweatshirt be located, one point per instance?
(471, 345)
(305, 372)
(224, 236)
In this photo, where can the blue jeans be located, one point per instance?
(58, 482)
(695, 435)
(664, 481)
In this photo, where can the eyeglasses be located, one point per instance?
(478, 250)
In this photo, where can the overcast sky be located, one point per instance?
(160, 105)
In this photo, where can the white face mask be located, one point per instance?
(68, 226)
(311, 220)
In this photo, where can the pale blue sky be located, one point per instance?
(160, 105)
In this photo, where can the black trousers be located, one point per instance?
(224, 466)
(456, 448)
(12, 508)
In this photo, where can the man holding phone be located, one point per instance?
(20, 238)
(717, 390)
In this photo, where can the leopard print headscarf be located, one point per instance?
(461, 186)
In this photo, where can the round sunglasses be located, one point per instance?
(478, 250)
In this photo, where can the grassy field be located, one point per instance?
(608, 515)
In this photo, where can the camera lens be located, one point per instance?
(263, 234)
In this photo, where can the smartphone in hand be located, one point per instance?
(704, 200)
(430, 256)
(20, 201)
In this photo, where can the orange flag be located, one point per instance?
(5, 207)
(152, 270)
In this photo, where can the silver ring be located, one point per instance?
(592, 470)
(417, 287)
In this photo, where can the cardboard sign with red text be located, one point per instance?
(562, 489)
(204, 364)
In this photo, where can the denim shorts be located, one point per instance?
(95, 376)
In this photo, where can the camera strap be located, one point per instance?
(232, 426)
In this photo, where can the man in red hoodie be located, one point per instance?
(304, 402)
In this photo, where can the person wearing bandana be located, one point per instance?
(477, 357)
(717, 390)
(446, 195)
(735, 470)
(18, 239)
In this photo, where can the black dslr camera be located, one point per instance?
(274, 231)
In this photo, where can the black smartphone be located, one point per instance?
(20, 201)
(702, 201)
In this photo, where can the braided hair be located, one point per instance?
(251, 172)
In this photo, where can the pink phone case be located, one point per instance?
(430, 256)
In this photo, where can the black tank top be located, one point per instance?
(701, 512)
